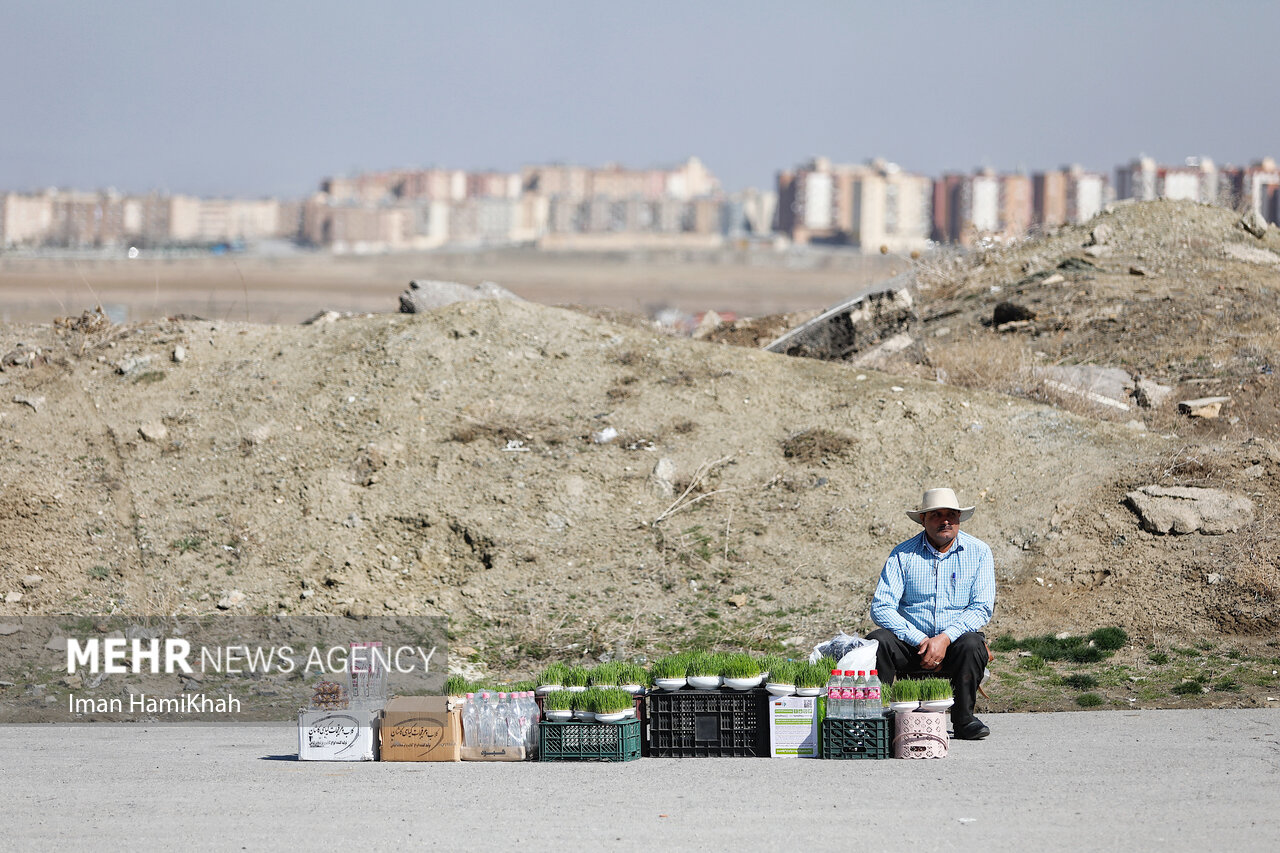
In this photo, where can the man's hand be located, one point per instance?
(933, 650)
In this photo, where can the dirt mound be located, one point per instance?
(494, 461)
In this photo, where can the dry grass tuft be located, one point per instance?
(814, 445)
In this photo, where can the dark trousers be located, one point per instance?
(965, 660)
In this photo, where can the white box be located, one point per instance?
(337, 735)
(793, 727)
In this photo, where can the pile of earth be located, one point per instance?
(556, 484)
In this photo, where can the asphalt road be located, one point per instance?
(1114, 781)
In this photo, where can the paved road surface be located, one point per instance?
(1115, 781)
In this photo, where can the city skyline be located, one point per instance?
(253, 101)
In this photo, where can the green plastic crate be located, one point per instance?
(589, 741)
(861, 738)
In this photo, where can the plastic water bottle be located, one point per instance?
(875, 706)
(488, 719)
(835, 694)
(846, 694)
(860, 695)
(471, 721)
(509, 734)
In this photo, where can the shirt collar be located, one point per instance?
(958, 545)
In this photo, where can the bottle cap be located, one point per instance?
(835, 672)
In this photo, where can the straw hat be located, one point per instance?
(939, 499)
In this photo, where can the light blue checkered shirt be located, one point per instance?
(923, 593)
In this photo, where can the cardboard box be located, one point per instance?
(794, 723)
(501, 753)
(337, 735)
(420, 728)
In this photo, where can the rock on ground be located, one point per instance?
(1184, 509)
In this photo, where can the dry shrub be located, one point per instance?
(1254, 565)
(487, 420)
(998, 363)
(1005, 364)
(942, 273)
(813, 445)
(1191, 466)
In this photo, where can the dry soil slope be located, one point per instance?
(444, 464)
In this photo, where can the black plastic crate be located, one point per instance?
(859, 738)
(589, 741)
(709, 724)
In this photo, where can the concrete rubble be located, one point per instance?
(1184, 509)
(427, 294)
(854, 325)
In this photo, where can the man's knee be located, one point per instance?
(970, 645)
(881, 635)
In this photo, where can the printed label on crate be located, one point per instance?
(793, 729)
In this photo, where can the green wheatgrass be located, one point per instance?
(702, 665)
(784, 672)
(812, 675)
(740, 666)
(672, 666)
(634, 673)
(553, 674)
(558, 700)
(576, 676)
(613, 701)
(606, 674)
(934, 689)
(905, 690)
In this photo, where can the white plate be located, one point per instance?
(669, 683)
(904, 706)
(809, 691)
(743, 683)
(559, 716)
(704, 682)
(938, 704)
(544, 689)
(780, 689)
(611, 718)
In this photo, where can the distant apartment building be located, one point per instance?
(74, 219)
(872, 206)
(981, 206)
(1142, 179)
(1070, 195)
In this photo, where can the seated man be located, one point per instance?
(936, 590)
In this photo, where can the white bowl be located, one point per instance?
(632, 688)
(780, 689)
(616, 717)
(904, 706)
(544, 689)
(743, 683)
(669, 683)
(938, 704)
(704, 682)
(585, 716)
(577, 688)
(630, 712)
(810, 691)
(559, 716)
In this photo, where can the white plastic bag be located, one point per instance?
(850, 652)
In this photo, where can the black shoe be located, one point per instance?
(972, 730)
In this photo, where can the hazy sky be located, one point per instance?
(258, 98)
